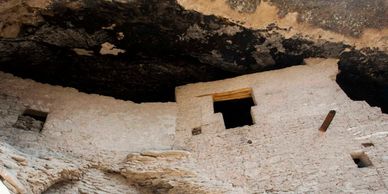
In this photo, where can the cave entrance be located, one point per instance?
(235, 107)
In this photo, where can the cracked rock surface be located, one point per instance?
(141, 50)
(158, 45)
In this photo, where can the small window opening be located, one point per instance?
(196, 131)
(235, 107)
(368, 144)
(31, 120)
(361, 159)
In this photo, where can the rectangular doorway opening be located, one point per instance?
(235, 107)
(31, 120)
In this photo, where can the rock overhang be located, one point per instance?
(141, 50)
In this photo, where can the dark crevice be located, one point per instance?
(364, 76)
(157, 56)
(130, 78)
(360, 90)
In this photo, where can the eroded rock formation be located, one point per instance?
(154, 45)
(140, 50)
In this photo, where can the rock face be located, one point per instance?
(345, 17)
(244, 6)
(39, 172)
(364, 76)
(140, 50)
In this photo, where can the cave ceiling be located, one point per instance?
(141, 50)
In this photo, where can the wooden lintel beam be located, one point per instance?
(231, 95)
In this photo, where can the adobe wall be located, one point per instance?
(84, 141)
(83, 122)
(92, 143)
(284, 151)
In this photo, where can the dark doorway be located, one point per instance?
(236, 112)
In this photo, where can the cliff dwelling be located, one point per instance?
(193, 96)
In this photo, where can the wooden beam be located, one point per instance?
(231, 95)
(327, 121)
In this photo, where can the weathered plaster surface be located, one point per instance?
(86, 137)
(91, 142)
(287, 153)
(76, 121)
